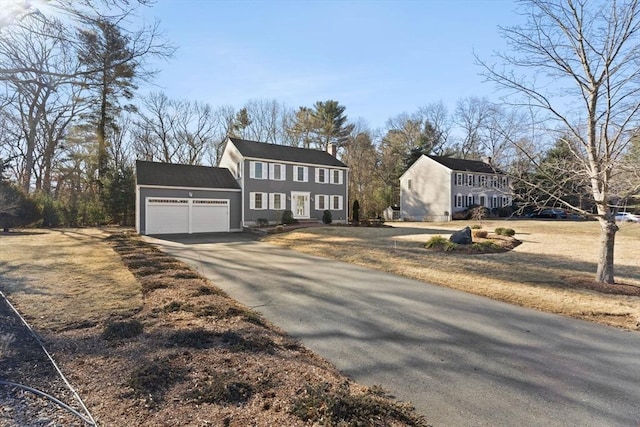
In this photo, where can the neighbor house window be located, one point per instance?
(277, 172)
(300, 173)
(470, 200)
(258, 170)
(459, 179)
(322, 175)
(505, 201)
(483, 181)
(470, 180)
(409, 184)
(336, 203)
(239, 170)
(458, 201)
(494, 181)
(277, 201)
(336, 176)
(494, 202)
(504, 182)
(322, 202)
(257, 201)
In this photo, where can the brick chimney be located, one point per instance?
(332, 149)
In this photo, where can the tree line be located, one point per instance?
(72, 120)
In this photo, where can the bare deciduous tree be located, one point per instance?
(576, 62)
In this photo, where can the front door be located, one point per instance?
(300, 205)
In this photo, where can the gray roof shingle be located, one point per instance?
(175, 175)
(263, 150)
(463, 165)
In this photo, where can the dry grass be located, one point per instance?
(166, 347)
(552, 270)
(71, 276)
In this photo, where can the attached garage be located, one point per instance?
(186, 199)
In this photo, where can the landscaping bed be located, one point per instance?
(163, 346)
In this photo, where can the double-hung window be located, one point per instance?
(277, 172)
(258, 170)
(336, 203)
(336, 176)
(257, 201)
(470, 180)
(322, 202)
(459, 180)
(322, 175)
(277, 201)
(458, 201)
(300, 173)
(483, 181)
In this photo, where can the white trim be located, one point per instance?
(138, 225)
(264, 170)
(283, 171)
(305, 177)
(340, 176)
(264, 199)
(283, 201)
(325, 199)
(306, 214)
(168, 187)
(326, 177)
(288, 162)
(340, 203)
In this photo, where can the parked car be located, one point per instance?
(550, 213)
(627, 217)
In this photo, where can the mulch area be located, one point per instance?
(611, 289)
(23, 361)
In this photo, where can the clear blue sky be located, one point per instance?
(377, 58)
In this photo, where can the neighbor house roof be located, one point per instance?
(262, 150)
(175, 175)
(463, 165)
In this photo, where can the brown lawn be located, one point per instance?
(147, 342)
(551, 270)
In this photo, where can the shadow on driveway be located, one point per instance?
(207, 238)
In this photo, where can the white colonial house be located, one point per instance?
(434, 188)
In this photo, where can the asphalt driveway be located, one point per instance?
(462, 360)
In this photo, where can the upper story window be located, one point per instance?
(504, 182)
(470, 180)
(258, 170)
(409, 184)
(494, 182)
(336, 176)
(300, 173)
(459, 180)
(239, 170)
(322, 175)
(277, 172)
(483, 181)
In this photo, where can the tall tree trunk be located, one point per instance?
(608, 229)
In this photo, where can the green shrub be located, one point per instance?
(440, 243)
(326, 217)
(262, 222)
(485, 246)
(356, 211)
(501, 231)
(287, 217)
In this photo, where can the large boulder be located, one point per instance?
(462, 237)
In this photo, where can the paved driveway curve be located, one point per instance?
(462, 360)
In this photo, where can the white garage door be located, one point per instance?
(172, 215)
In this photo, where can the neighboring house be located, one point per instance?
(434, 188)
(173, 198)
(274, 178)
